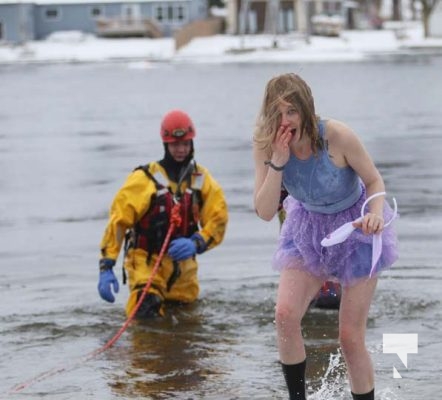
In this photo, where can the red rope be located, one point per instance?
(175, 221)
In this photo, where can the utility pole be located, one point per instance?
(244, 20)
(272, 20)
(21, 23)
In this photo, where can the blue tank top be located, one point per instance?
(320, 185)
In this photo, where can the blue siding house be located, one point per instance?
(25, 20)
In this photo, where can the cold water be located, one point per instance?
(70, 134)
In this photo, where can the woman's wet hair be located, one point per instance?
(292, 89)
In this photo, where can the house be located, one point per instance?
(282, 16)
(23, 20)
(257, 16)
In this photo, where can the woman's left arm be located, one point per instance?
(357, 157)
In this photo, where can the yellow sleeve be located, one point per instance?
(129, 205)
(214, 212)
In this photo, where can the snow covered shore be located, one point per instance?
(75, 47)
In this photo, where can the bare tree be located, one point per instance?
(397, 14)
(427, 8)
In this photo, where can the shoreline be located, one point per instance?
(351, 46)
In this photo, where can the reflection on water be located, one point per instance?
(68, 138)
(163, 357)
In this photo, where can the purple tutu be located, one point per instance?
(300, 247)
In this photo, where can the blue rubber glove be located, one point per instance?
(182, 249)
(107, 279)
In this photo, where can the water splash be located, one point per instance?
(334, 383)
(334, 380)
(387, 394)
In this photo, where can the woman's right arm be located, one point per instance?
(267, 186)
(267, 180)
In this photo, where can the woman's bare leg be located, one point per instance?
(353, 315)
(296, 290)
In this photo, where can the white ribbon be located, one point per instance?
(344, 231)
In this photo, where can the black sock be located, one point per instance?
(295, 378)
(365, 396)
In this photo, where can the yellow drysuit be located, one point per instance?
(132, 202)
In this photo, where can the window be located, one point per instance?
(159, 14)
(51, 13)
(96, 11)
(180, 13)
(171, 14)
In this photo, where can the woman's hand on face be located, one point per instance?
(371, 224)
(280, 146)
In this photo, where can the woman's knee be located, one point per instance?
(287, 315)
(351, 339)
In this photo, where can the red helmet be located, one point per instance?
(176, 126)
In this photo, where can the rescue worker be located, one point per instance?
(140, 215)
